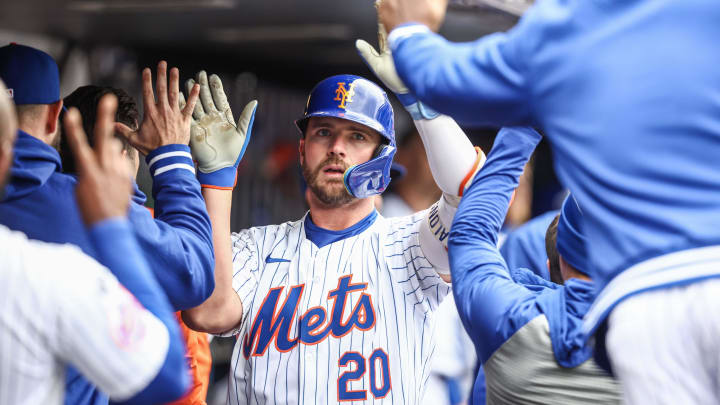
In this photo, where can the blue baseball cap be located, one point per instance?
(31, 75)
(571, 243)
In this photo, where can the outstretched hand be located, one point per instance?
(104, 182)
(381, 62)
(217, 142)
(392, 13)
(383, 65)
(164, 122)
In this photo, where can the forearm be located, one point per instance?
(488, 300)
(118, 250)
(181, 235)
(223, 310)
(450, 153)
(453, 161)
(477, 83)
(483, 208)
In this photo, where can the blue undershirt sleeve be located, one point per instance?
(118, 250)
(180, 236)
(480, 83)
(491, 305)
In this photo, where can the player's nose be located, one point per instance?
(337, 146)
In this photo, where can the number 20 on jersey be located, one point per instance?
(376, 366)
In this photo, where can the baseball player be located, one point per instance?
(86, 99)
(635, 131)
(60, 306)
(527, 331)
(40, 199)
(337, 306)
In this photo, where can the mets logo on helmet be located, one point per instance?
(344, 95)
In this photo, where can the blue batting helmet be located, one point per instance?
(359, 100)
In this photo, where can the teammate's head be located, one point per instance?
(8, 131)
(33, 81)
(565, 244)
(553, 261)
(86, 99)
(348, 139)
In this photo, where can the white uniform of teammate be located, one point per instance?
(384, 357)
(58, 306)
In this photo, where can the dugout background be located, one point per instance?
(270, 50)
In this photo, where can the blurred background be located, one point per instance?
(271, 50)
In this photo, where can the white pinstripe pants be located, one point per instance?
(664, 345)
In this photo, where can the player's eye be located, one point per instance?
(359, 136)
(322, 132)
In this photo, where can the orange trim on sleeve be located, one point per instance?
(219, 187)
(472, 171)
(216, 187)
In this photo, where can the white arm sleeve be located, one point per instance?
(434, 232)
(453, 162)
(451, 155)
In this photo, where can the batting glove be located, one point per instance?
(382, 64)
(216, 142)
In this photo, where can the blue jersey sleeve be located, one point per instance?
(479, 83)
(118, 250)
(178, 242)
(491, 305)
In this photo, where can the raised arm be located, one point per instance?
(144, 352)
(218, 145)
(453, 159)
(180, 236)
(490, 303)
(481, 82)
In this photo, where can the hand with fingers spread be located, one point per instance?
(164, 122)
(217, 143)
(392, 13)
(382, 64)
(104, 182)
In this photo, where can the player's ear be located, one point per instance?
(53, 116)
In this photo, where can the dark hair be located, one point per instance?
(552, 252)
(86, 99)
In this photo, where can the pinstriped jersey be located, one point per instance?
(349, 321)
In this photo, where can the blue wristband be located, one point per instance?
(420, 111)
(223, 179)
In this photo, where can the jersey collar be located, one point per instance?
(322, 237)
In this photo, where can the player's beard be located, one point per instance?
(331, 192)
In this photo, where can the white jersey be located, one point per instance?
(352, 320)
(59, 306)
(454, 359)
